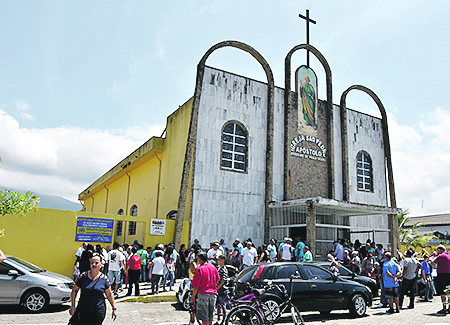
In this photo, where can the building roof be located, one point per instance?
(136, 158)
(436, 220)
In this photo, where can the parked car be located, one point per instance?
(347, 274)
(317, 290)
(30, 286)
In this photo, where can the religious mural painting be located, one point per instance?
(307, 133)
(306, 87)
(308, 119)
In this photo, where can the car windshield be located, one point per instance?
(24, 264)
(247, 274)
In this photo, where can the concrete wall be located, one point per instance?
(365, 133)
(228, 204)
(46, 237)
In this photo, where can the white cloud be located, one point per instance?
(27, 116)
(64, 160)
(421, 160)
(22, 105)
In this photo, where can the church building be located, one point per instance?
(247, 159)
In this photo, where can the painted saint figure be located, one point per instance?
(308, 98)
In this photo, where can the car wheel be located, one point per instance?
(35, 301)
(357, 306)
(271, 310)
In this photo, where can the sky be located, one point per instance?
(84, 83)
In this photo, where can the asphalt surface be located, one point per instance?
(169, 313)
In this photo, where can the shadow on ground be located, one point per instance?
(16, 309)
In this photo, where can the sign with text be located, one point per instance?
(94, 230)
(299, 150)
(158, 227)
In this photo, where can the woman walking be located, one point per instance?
(91, 309)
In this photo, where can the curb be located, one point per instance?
(149, 298)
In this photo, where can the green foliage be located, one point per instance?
(15, 203)
(410, 235)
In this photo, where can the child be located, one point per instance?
(221, 289)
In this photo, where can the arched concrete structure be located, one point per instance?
(393, 222)
(192, 137)
(287, 103)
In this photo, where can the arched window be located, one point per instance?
(364, 171)
(234, 147)
(120, 212)
(119, 228)
(132, 224)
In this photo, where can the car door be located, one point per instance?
(281, 275)
(326, 292)
(10, 285)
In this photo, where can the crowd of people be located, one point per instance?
(397, 275)
(127, 265)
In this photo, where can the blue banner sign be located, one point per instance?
(94, 230)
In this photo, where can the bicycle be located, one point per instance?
(247, 300)
(245, 314)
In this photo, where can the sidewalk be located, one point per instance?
(146, 296)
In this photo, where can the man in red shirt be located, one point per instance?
(205, 285)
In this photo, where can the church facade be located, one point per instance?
(246, 159)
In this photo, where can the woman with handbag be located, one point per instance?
(94, 285)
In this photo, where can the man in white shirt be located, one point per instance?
(80, 251)
(286, 251)
(214, 253)
(249, 255)
(272, 248)
(116, 261)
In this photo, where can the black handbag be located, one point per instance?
(76, 318)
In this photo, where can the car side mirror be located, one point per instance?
(353, 275)
(13, 273)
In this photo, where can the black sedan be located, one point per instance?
(317, 289)
(345, 273)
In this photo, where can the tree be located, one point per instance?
(16, 203)
(410, 235)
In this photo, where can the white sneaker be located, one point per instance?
(380, 305)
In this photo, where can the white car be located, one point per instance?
(30, 286)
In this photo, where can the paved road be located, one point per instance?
(168, 313)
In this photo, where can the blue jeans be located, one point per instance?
(172, 279)
(143, 277)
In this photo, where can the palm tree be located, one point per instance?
(410, 235)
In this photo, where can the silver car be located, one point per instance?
(30, 286)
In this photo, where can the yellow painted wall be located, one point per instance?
(429, 248)
(117, 197)
(144, 175)
(144, 187)
(173, 159)
(87, 205)
(46, 237)
(99, 201)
